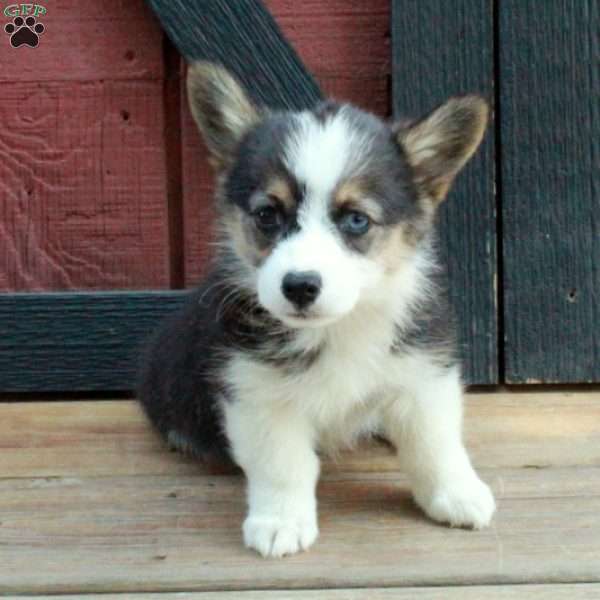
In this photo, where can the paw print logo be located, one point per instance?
(24, 32)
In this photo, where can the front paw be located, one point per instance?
(464, 503)
(277, 536)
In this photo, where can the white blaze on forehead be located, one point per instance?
(319, 153)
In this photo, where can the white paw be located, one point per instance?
(466, 503)
(277, 536)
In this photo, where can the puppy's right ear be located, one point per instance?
(220, 108)
(438, 146)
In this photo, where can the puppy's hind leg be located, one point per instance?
(274, 447)
(428, 435)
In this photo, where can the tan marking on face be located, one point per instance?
(280, 189)
(240, 232)
(353, 194)
(393, 246)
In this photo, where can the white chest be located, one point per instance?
(340, 393)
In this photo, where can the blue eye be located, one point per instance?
(354, 223)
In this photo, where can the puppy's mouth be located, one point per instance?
(306, 318)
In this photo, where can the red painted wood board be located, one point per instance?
(83, 202)
(91, 238)
(82, 186)
(346, 44)
(87, 40)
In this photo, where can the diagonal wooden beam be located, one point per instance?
(243, 37)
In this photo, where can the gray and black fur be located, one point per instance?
(182, 384)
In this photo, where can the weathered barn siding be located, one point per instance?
(440, 49)
(104, 182)
(550, 134)
(93, 194)
(82, 152)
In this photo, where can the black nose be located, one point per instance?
(301, 288)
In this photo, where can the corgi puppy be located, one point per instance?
(325, 316)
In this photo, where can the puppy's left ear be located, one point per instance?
(221, 109)
(439, 145)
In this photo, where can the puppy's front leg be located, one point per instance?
(275, 449)
(428, 434)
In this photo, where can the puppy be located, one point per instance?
(325, 316)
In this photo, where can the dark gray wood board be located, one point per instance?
(440, 49)
(244, 37)
(77, 341)
(550, 133)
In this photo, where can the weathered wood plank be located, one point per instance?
(550, 132)
(503, 430)
(326, 37)
(345, 44)
(174, 532)
(488, 592)
(86, 40)
(439, 49)
(135, 529)
(86, 341)
(82, 186)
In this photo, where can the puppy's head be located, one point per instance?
(322, 206)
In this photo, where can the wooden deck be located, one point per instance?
(92, 503)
